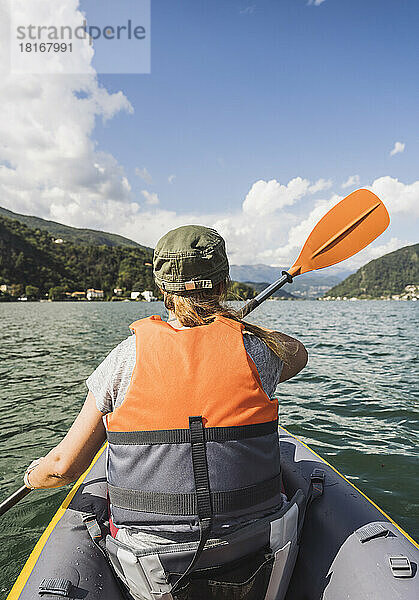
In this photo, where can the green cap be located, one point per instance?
(191, 257)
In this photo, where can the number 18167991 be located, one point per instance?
(46, 47)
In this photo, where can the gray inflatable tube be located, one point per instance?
(349, 549)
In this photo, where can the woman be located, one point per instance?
(191, 424)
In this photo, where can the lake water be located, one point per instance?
(355, 403)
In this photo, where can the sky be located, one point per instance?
(256, 118)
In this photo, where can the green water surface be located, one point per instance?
(355, 403)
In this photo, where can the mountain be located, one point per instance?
(309, 285)
(383, 276)
(30, 257)
(72, 234)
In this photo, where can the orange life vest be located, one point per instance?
(196, 436)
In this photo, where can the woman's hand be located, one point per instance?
(67, 461)
(31, 467)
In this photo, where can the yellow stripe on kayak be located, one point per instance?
(402, 531)
(31, 562)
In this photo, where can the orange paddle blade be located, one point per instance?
(345, 230)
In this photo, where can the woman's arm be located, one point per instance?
(297, 356)
(67, 461)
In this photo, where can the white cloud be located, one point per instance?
(379, 250)
(397, 196)
(315, 2)
(51, 166)
(150, 197)
(262, 234)
(351, 181)
(266, 197)
(144, 175)
(320, 185)
(398, 148)
(171, 178)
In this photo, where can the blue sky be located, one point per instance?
(280, 90)
(256, 118)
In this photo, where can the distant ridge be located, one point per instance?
(382, 277)
(72, 234)
(309, 285)
(259, 287)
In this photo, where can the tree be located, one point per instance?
(57, 293)
(31, 291)
(16, 290)
(240, 291)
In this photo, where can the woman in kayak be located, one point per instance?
(188, 410)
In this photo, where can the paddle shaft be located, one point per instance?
(14, 499)
(266, 293)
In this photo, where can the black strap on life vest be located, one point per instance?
(186, 504)
(202, 491)
(183, 436)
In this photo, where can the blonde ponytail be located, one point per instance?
(200, 307)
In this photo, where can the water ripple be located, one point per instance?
(355, 403)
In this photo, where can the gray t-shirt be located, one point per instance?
(110, 381)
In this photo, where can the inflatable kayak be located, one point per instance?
(349, 548)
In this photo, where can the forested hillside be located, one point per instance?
(383, 276)
(33, 264)
(30, 257)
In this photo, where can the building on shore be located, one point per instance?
(410, 292)
(93, 294)
(118, 291)
(79, 295)
(148, 296)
